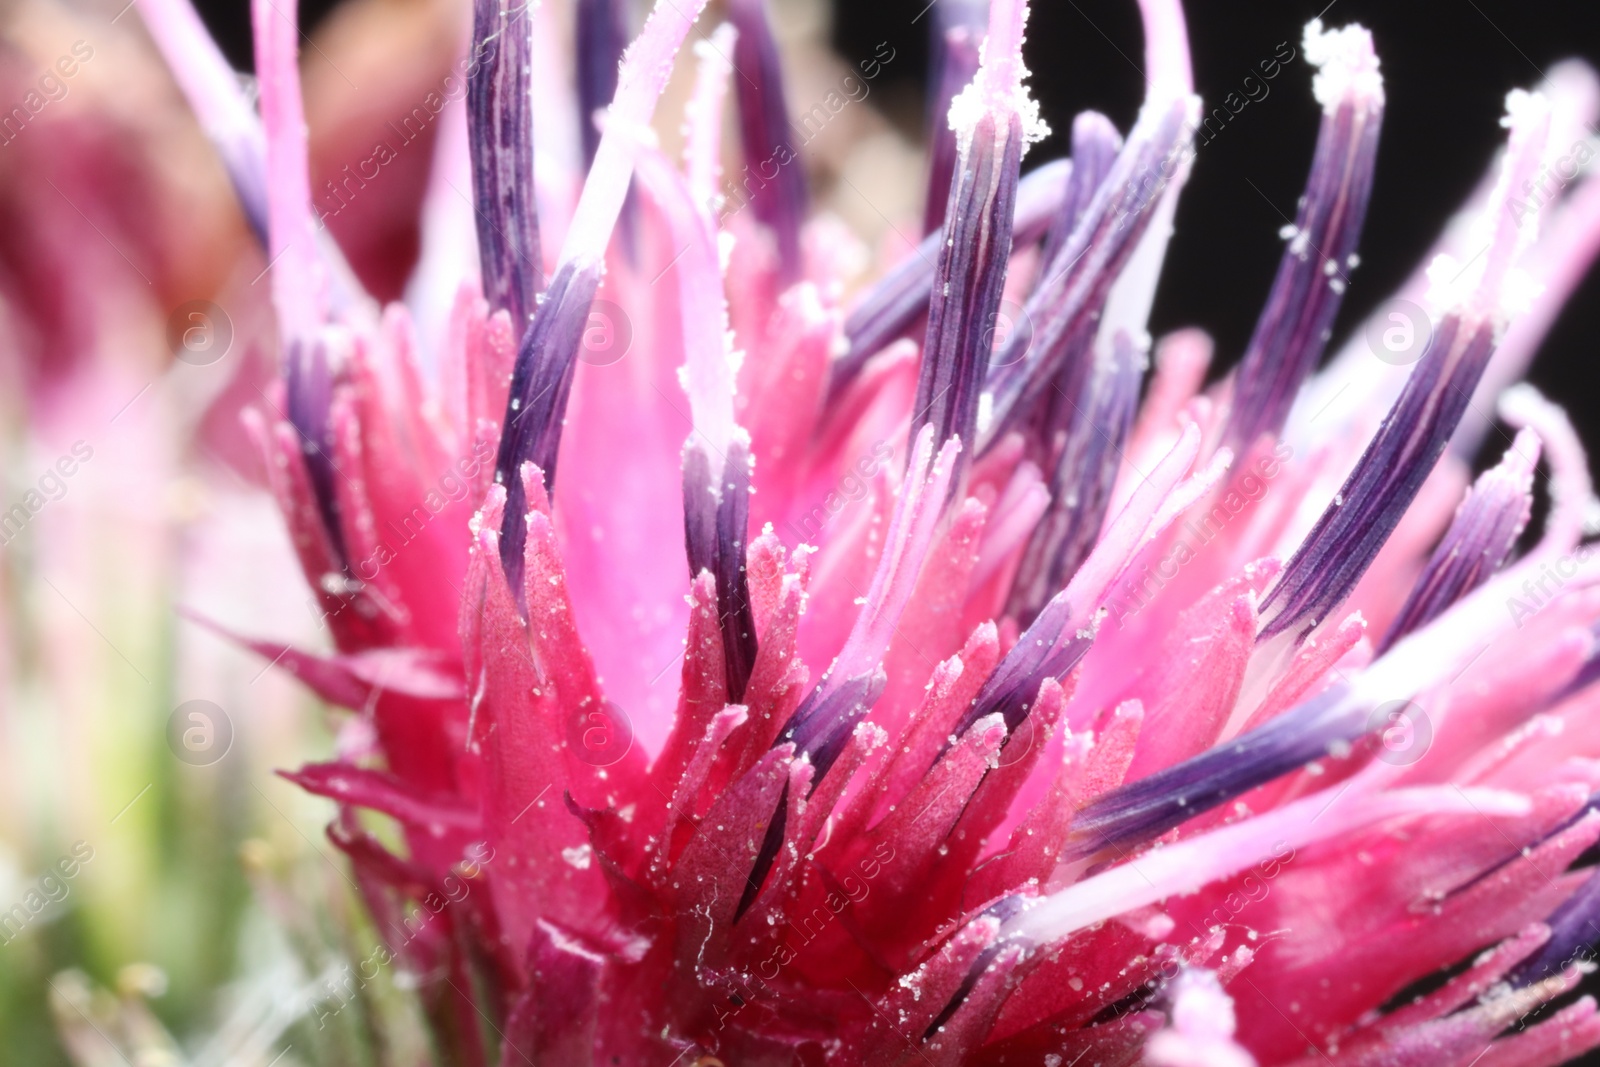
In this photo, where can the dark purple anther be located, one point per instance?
(1588, 674)
(957, 30)
(890, 309)
(540, 382)
(715, 521)
(541, 378)
(819, 729)
(1086, 433)
(1001, 910)
(1343, 543)
(965, 299)
(249, 178)
(766, 857)
(1312, 276)
(1038, 654)
(1574, 931)
(602, 36)
(1520, 854)
(1151, 806)
(308, 394)
(500, 131)
(1095, 145)
(1480, 538)
(773, 171)
(1064, 308)
(822, 724)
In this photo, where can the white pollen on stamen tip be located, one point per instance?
(1445, 277)
(1346, 64)
(1523, 108)
(1518, 292)
(983, 95)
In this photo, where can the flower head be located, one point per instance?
(1000, 714)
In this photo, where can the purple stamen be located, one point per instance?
(1313, 274)
(540, 383)
(1039, 653)
(1574, 930)
(1480, 538)
(1065, 308)
(1387, 478)
(308, 394)
(1095, 146)
(780, 196)
(1151, 806)
(766, 856)
(541, 379)
(823, 721)
(602, 36)
(213, 90)
(969, 279)
(602, 33)
(819, 730)
(1003, 909)
(715, 521)
(820, 727)
(1065, 628)
(994, 122)
(228, 117)
(1092, 428)
(891, 307)
(500, 130)
(956, 31)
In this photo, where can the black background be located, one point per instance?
(1447, 66)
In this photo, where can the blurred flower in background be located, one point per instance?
(135, 327)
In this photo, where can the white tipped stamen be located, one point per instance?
(703, 115)
(1573, 504)
(1169, 75)
(998, 87)
(1515, 225)
(1493, 281)
(1347, 66)
(646, 65)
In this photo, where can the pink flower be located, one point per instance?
(1018, 719)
